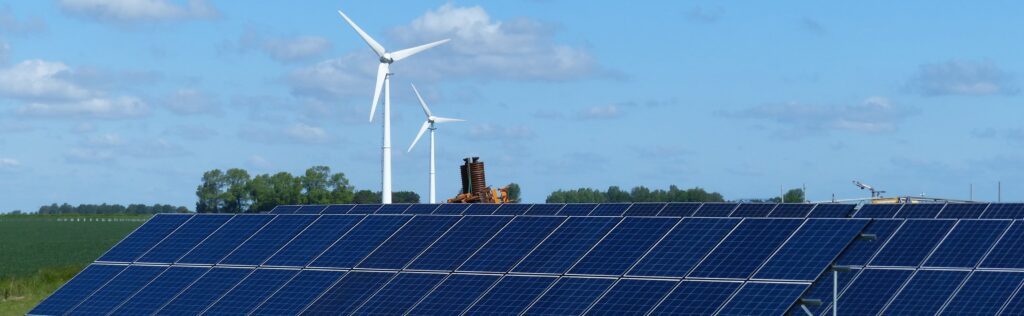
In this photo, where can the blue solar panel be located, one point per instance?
(299, 292)
(753, 210)
(746, 248)
(1004, 211)
(400, 294)
(680, 209)
(570, 296)
(360, 241)
(310, 209)
(644, 209)
(929, 210)
(144, 238)
(632, 297)
(364, 208)
(984, 293)
(544, 209)
(684, 247)
(338, 209)
(451, 209)
(861, 250)
(459, 243)
(763, 299)
(117, 290)
(567, 244)
(715, 209)
(792, 210)
(160, 291)
(811, 249)
(912, 243)
(511, 244)
(227, 238)
(610, 209)
(204, 291)
(696, 298)
(184, 239)
(392, 209)
(285, 209)
(314, 240)
(512, 209)
(821, 289)
(86, 282)
(624, 245)
(966, 210)
(346, 295)
(878, 211)
(1007, 252)
(577, 209)
(269, 240)
(925, 293)
(832, 211)
(511, 295)
(967, 243)
(408, 242)
(420, 209)
(454, 295)
(871, 290)
(248, 294)
(482, 209)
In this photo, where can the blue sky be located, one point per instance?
(129, 101)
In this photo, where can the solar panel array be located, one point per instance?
(561, 259)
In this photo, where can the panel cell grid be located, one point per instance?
(310, 209)
(459, 243)
(861, 250)
(314, 240)
(454, 295)
(511, 295)
(248, 294)
(871, 290)
(285, 209)
(763, 299)
(269, 240)
(184, 239)
(984, 293)
(482, 209)
(746, 248)
(226, 239)
(811, 249)
(753, 210)
(86, 282)
(644, 209)
(878, 211)
(299, 292)
(570, 296)
(160, 291)
(451, 209)
(715, 209)
(1004, 211)
(512, 209)
(929, 210)
(360, 241)
(392, 209)
(364, 209)
(683, 247)
(925, 293)
(350, 292)
(511, 244)
(680, 209)
(1007, 252)
(832, 211)
(795, 210)
(576, 209)
(965, 210)
(566, 245)
(408, 242)
(632, 297)
(338, 209)
(421, 209)
(624, 245)
(696, 298)
(144, 238)
(117, 290)
(967, 243)
(400, 294)
(912, 243)
(610, 209)
(205, 291)
(545, 209)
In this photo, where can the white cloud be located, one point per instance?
(959, 77)
(873, 115)
(191, 102)
(12, 25)
(500, 133)
(307, 134)
(107, 148)
(285, 49)
(105, 108)
(298, 133)
(600, 112)
(260, 162)
(9, 163)
(40, 79)
(139, 10)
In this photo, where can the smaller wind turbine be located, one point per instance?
(429, 124)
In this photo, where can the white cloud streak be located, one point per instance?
(960, 77)
(123, 11)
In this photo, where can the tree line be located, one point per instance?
(614, 194)
(104, 208)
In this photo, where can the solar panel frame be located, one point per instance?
(577, 209)
(545, 209)
(451, 209)
(644, 209)
(455, 294)
(793, 210)
(511, 295)
(250, 292)
(205, 291)
(962, 210)
(912, 243)
(160, 291)
(861, 251)
(570, 296)
(610, 209)
(567, 244)
(810, 250)
(696, 297)
(400, 294)
(832, 211)
(348, 293)
(716, 209)
(753, 210)
(1005, 254)
(273, 237)
(871, 290)
(967, 243)
(680, 209)
(746, 248)
(683, 247)
(310, 209)
(1004, 211)
(878, 211)
(925, 292)
(300, 291)
(421, 209)
(624, 245)
(397, 208)
(285, 209)
(632, 297)
(482, 208)
(338, 209)
(119, 288)
(984, 293)
(923, 210)
(230, 235)
(360, 241)
(182, 240)
(314, 240)
(512, 209)
(70, 294)
(143, 238)
(757, 298)
(511, 244)
(459, 243)
(364, 209)
(408, 242)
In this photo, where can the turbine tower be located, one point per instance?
(384, 81)
(429, 124)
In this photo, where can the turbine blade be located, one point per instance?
(418, 135)
(446, 119)
(426, 110)
(382, 72)
(405, 53)
(366, 37)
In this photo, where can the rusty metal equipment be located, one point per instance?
(474, 185)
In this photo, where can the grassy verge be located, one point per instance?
(19, 294)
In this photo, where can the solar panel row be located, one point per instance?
(602, 209)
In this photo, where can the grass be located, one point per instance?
(38, 253)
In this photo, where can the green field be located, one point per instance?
(40, 253)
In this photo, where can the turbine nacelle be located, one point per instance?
(386, 58)
(431, 119)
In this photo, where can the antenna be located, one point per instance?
(874, 193)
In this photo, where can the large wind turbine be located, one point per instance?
(384, 80)
(429, 124)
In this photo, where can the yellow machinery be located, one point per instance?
(474, 185)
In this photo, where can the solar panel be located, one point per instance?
(715, 209)
(792, 210)
(570, 296)
(285, 209)
(545, 209)
(314, 240)
(420, 209)
(967, 243)
(299, 292)
(763, 299)
(811, 249)
(360, 241)
(1004, 211)
(680, 209)
(878, 211)
(160, 291)
(984, 293)
(184, 239)
(821, 289)
(753, 210)
(566, 245)
(203, 292)
(348, 293)
(871, 290)
(454, 295)
(683, 247)
(364, 209)
(576, 209)
(696, 298)
(400, 294)
(511, 244)
(929, 210)
(269, 240)
(144, 238)
(624, 245)
(459, 243)
(610, 209)
(1015, 306)
(966, 210)
(310, 209)
(482, 209)
(860, 251)
(117, 290)
(392, 209)
(644, 209)
(512, 209)
(912, 243)
(451, 209)
(746, 248)
(832, 211)
(925, 293)
(248, 294)
(511, 295)
(408, 242)
(338, 209)
(632, 297)
(229, 236)
(1007, 252)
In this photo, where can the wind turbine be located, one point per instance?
(384, 80)
(429, 124)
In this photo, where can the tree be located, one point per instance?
(235, 198)
(794, 196)
(209, 192)
(314, 185)
(616, 195)
(366, 197)
(513, 192)
(404, 197)
(637, 194)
